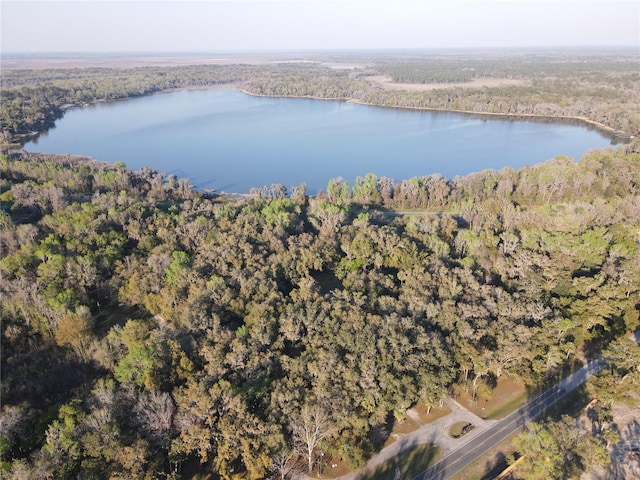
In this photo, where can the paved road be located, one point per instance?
(457, 459)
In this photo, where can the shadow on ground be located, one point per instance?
(407, 464)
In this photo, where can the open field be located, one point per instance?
(114, 60)
(387, 82)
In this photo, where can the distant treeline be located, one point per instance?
(602, 88)
(32, 100)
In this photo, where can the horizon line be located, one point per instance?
(319, 49)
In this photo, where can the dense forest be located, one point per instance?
(599, 87)
(149, 330)
(147, 327)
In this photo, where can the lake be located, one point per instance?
(229, 141)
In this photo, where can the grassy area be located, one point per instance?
(508, 407)
(332, 466)
(458, 429)
(417, 416)
(505, 398)
(427, 416)
(408, 463)
(493, 462)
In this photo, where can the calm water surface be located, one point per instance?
(228, 141)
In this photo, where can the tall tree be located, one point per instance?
(311, 426)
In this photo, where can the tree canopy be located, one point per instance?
(146, 326)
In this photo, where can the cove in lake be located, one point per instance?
(229, 141)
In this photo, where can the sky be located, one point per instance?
(29, 26)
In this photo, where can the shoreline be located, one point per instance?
(308, 97)
(606, 130)
(610, 131)
(593, 123)
(616, 136)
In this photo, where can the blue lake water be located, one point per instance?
(229, 141)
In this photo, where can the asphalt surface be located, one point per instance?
(458, 459)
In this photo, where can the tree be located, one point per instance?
(76, 330)
(311, 426)
(366, 190)
(180, 262)
(544, 458)
(62, 448)
(559, 449)
(154, 412)
(328, 216)
(285, 465)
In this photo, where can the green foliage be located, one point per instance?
(365, 190)
(619, 382)
(349, 266)
(281, 212)
(545, 456)
(61, 443)
(191, 328)
(558, 449)
(327, 215)
(180, 262)
(137, 367)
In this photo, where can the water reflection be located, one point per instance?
(226, 140)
